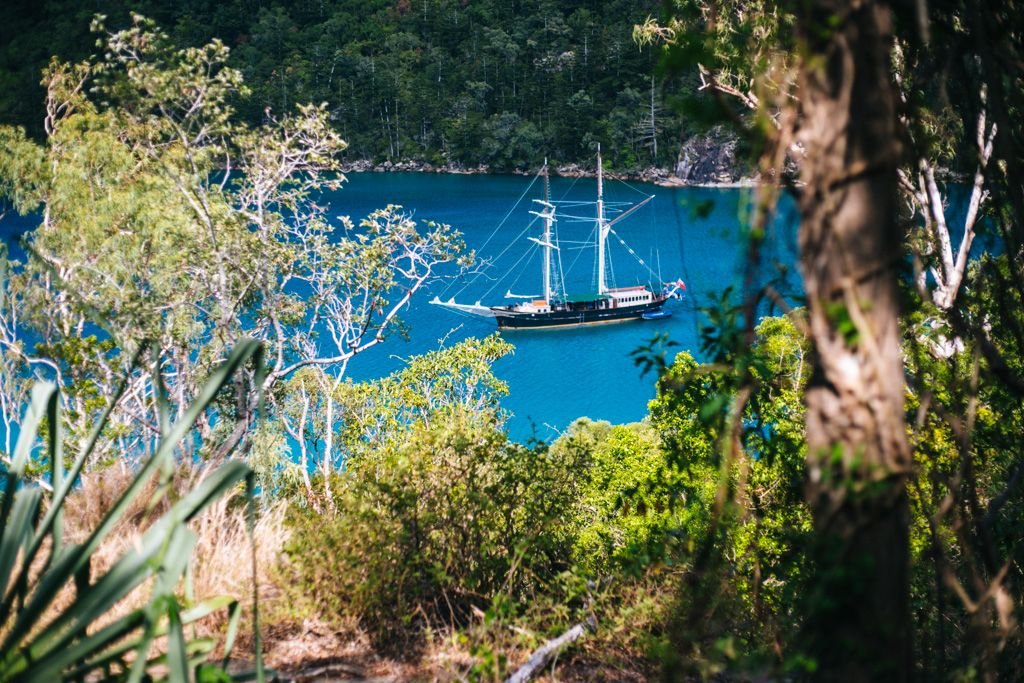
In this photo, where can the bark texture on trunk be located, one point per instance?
(859, 625)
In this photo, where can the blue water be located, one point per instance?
(556, 376)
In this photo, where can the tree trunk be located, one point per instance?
(859, 620)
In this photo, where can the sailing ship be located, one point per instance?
(556, 308)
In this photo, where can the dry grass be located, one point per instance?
(300, 648)
(222, 561)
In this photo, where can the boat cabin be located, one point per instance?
(623, 297)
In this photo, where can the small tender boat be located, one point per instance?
(656, 315)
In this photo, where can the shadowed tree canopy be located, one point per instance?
(431, 80)
(891, 124)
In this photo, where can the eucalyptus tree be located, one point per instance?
(824, 96)
(867, 100)
(166, 223)
(858, 452)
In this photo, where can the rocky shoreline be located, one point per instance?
(657, 176)
(705, 160)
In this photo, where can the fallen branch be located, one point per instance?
(542, 655)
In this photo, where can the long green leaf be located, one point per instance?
(221, 481)
(175, 552)
(26, 528)
(29, 428)
(250, 525)
(234, 619)
(167, 554)
(195, 613)
(217, 380)
(64, 645)
(140, 664)
(126, 574)
(174, 556)
(220, 377)
(72, 562)
(166, 543)
(207, 607)
(61, 665)
(61, 492)
(14, 534)
(27, 432)
(177, 658)
(55, 443)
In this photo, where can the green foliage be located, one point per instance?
(686, 414)
(23, 159)
(434, 527)
(963, 337)
(457, 379)
(270, 459)
(744, 52)
(630, 502)
(743, 525)
(435, 514)
(437, 80)
(166, 220)
(436, 517)
(977, 467)
(82, 640)
(510, 142)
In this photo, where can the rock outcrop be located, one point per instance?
(408, 166)
(709, 158)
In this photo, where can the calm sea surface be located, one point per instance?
(556, 376)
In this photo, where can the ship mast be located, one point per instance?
(547, 235)
(548, 214)
(602, 228)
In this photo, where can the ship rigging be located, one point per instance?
(554, 307)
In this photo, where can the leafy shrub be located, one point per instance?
(630, 498)
(436, 526)
(745, 524)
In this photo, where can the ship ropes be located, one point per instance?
(553, 297)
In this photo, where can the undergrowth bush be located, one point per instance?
(647, 530)
(428, 531)
(630, 499)
(457, 530)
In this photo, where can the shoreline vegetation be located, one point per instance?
(707, 158)
(658, 176)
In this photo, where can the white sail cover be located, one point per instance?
(473, 309)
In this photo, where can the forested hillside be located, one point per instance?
(440, 81)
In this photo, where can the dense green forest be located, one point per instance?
(442, 81)
(193, 487)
